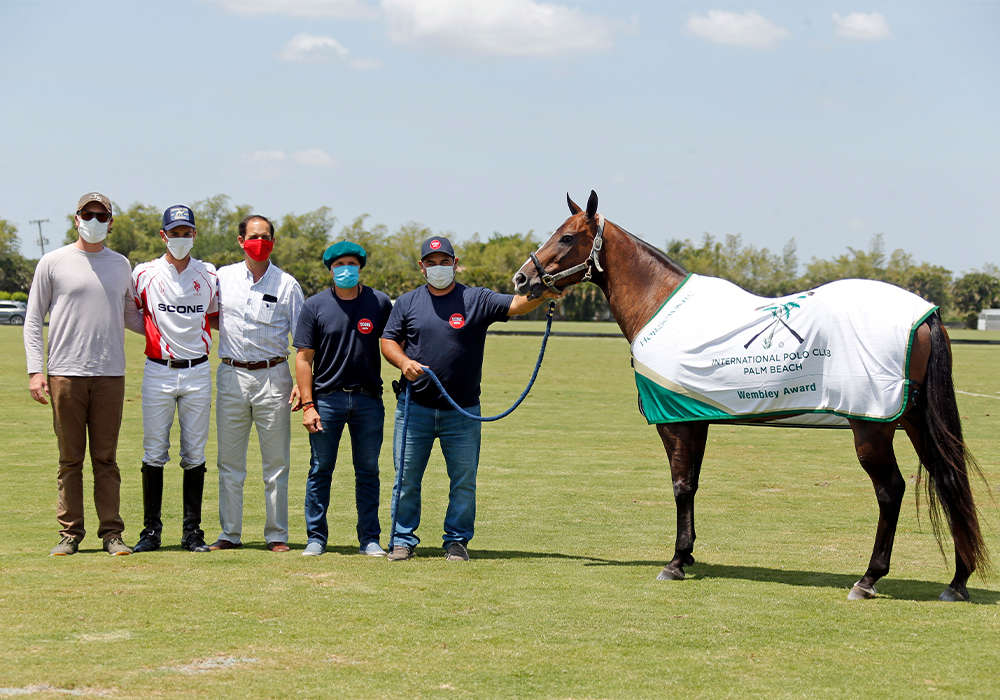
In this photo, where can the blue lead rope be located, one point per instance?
(398, 486)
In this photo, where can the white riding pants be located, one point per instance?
(189, 390)
(258, 398)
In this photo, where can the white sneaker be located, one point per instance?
(313, 549)
(372, 549)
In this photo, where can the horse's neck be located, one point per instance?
(637, 279)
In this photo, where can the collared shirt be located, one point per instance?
(256, 318)
(176, 306)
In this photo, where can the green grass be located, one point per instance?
(575, 520)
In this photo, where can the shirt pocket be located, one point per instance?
(261, 312)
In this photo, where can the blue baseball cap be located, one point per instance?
(178, 215)
(436, 244)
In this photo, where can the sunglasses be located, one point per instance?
(101, 216)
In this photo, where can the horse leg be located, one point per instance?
(685, 446)
(873, 443)
(956, 590)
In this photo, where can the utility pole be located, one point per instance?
(42, 240)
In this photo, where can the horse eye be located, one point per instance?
(567, 239)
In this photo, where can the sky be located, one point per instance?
(822, 122)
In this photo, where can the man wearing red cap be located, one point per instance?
(85, 288)
(441, 325)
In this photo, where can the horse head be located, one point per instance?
(568, 256)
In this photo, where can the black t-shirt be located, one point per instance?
(344, 334)
(447, 333)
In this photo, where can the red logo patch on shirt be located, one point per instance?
(435, 244)
(197, 287)
(365, 326)
(456, 321)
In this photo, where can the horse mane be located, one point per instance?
(653, 251)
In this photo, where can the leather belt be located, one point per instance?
(259, 364)
(179, 364)
(358, 390)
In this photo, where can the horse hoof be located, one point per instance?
(950, 595)
(859, 592)
(670, 573)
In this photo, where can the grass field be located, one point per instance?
(576, 519)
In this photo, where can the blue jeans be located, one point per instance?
(364, 417)
(460, 438)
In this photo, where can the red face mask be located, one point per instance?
(258, 248)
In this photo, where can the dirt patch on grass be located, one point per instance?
(214, 663)
(113, 636)
(46, 688)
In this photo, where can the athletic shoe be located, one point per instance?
(116, 547)
(400, 552)
(67, 545)
(313, 549)
(456, 551)
(372, 549)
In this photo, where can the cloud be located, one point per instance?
(309, 157)
(314, 157)
(339, 9)
(861, 26)
(310, 48)
(748, 29)
(497, 27)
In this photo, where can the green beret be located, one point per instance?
(344, 248)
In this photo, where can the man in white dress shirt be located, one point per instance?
(178, 295)
(259, 307)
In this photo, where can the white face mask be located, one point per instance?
(440, 276)
(179, 247)
(92, 231)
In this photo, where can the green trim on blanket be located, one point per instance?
(665, 302)
(660, 405)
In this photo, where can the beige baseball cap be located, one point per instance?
(94, 197)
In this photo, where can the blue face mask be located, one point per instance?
(346, 276)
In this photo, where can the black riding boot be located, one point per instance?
(152, 499)
(194, 483)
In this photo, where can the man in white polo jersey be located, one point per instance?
(177, 294)
(259, 306)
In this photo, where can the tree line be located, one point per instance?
(300, 240)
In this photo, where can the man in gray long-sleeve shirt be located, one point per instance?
(85, 288)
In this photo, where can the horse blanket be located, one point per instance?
(716, 352)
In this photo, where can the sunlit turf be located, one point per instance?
(575, 520)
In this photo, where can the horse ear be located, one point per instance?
(574, 208)
(592, 205)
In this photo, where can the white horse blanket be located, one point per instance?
(716, 352)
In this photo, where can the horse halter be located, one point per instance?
(589, 264)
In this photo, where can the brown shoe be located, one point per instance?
(278, 546)
(400, 552)
(224, 544)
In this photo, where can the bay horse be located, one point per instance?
(638, 279)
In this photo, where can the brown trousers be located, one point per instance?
(83, 406)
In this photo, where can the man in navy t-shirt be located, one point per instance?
(441, 325)
(338, 371)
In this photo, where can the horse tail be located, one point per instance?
(947, 459)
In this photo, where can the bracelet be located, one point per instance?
(308, 404)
